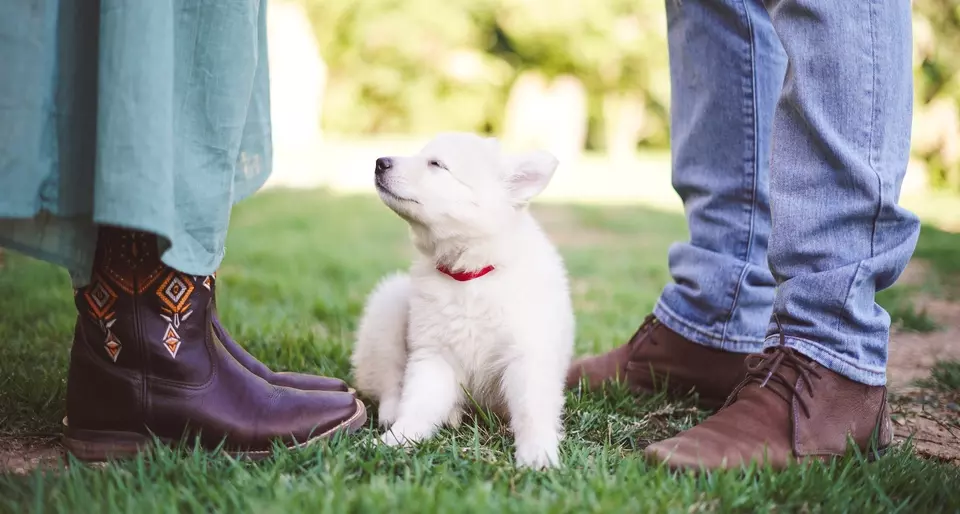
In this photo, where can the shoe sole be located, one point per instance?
(701, 469)
(103, 445)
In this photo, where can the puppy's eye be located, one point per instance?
(433, 163)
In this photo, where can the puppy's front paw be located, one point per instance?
(402, 434)
(455, 418)
(537, 455)
(387, 412)
(391, 438)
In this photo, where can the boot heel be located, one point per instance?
(101, 445)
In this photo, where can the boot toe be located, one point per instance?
(308, 382)
(309, 415)
(597, 369)
(675, 453)
(665, 452)
(576, 372)
(685, 452)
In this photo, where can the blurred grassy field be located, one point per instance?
(640, 179)
(299, 265)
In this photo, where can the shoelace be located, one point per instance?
(765, 367)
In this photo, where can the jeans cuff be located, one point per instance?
(698, 334)
(833, 361)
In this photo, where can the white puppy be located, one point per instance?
(485, 313)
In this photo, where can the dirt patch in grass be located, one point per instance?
(916, 273)
(21, 455)
(930, 420)
(567, 231)
(913, 354)
(928, 416)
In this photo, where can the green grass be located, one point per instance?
(904, 315)
(939, 248)
(945, 377)
(946, 374)
(298, 267)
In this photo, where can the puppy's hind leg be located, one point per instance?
(380, 354)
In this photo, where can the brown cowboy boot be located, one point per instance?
(147, 362)
(656, 356)
(282, 378)
(788, 409)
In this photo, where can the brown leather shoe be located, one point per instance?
(282, 378)
(147, 362)
(656, 356)
(788, 409)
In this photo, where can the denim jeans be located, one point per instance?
(790, 131)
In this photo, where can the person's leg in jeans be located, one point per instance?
(727, 67)
(841, 140)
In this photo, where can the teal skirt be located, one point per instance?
(152, 115)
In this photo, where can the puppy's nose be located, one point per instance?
(383, 164)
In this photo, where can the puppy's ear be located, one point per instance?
(529, 173)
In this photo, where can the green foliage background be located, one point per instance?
(420, 66)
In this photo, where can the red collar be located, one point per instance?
(463, 276)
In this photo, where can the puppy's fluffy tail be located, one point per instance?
(380, 355)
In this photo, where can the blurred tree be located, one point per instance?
(617, 48)
(408, 65)
(420, 66)
(936, 134)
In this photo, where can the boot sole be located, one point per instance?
(103, 445)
